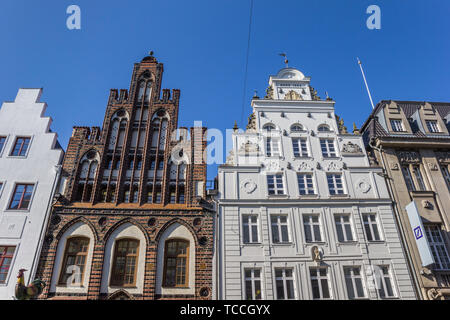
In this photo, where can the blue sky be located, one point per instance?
(203, 43)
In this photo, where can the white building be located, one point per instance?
(302, 213)
(30, 158)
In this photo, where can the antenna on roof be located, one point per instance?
(365, 81)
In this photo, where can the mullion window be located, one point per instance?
(397, 125)
(250, 226)
(2, 143)
(284, 279)
(176, 263)
(354, 282)
(320, 283)
(371, 227)
(272, 147)
(305, 184)
(335, 183)
(311, 225)
(419, 178)
(408, 178)
(20, 147)
(385, 290)
(432, 126)
(343, 228)
(438, 247)
(75, 256)
(300, 147)
(328, 148)
(280, 229)
(446, 173)
(253, 290)
(125, 263)
(275, 184)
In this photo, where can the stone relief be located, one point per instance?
(305, 166)
(408, 156)
(292, 95)
(443, 157)
(249, 147)
(432, 166)
(427, 204)
(363, 185)
(352, 148)
(333, 166)
(394, 166)
(249, 186)
(230, 158)
(271, 166)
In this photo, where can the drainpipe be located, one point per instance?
(403, 241)
(44, 228)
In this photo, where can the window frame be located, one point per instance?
(277, 177)
(114, 281)
(383, 282)
(29, 138)
(318, 277)
(335, 175)
(342, 224)
(396, 124)
(431, 129)
(445, 170)
(16, 185)
(249, 225)
(186, 267)
(310, 223)
(64, 266)
(300, 144)
(442, 252)
(6, 256)
(327, 153)
(305, 182)
(370, 225)
(253, 280)
(285, 279)
(353, 279)
(279, 227)
(272, 152)
(3, 147)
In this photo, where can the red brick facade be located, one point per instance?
(124, 174)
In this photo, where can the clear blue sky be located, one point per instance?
(202, 44)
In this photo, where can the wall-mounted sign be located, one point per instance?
(419, 234)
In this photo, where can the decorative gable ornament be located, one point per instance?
(249, 148)
(292, 95)
(352, 148)
(333, 166)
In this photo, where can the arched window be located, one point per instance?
(141, 90)
(86, 176)
(74, 262)
(297, 128)
(269, 127)
(176, 263)
(323, 128)
(125, 263)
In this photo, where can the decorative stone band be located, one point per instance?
(408, 157)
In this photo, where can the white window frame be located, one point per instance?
(382, 281)
(6, 136)
(278, 224)
(310, 224)
(328, 147)
(249, 224)
(446, 173)
(253, 279)
(273, 147)
(371, 225)
(304, 177)
(353, 277)
(432, 126)
(14, 141)
(284, 278)
(341, 224)
(276, 180)
(319, 279)
(438, 246)
(335, 183)
(301, 144)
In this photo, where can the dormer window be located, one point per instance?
(432, 126)
(397, 125)
(269, 127)
(297, 128)
(323, 128)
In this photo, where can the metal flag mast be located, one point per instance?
(365, 81)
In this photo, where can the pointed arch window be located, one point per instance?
(74, 261)
(125, 260)
(176, 263)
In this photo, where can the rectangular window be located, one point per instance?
(438, 247)
(319, 283)
(446, 174)
(354, 282)
(432, 126)
(176, 267)
(300, 148)
(2, 143)
(125, 263)
(397, 125)
(280, 231)
(253, 289)
(21, 197)
(1, 187)
(20, 147)
(419, 178)
(275, 184)
(272, 147)
(250, 227)
(284, 279)
(158, 198)
(408, 178)
(343, 228)
(305, 184)
(6, 256)
(371, 227)
(311, 224)
(384, 285)
(335, 184)
(328, 149)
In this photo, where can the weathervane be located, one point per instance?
(286, 61)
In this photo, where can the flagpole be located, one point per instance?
(365, 81)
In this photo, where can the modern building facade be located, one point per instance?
(411, 141)
(30, 166)
(130, 222)
(303, 214)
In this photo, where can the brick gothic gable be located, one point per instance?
(122, 174)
